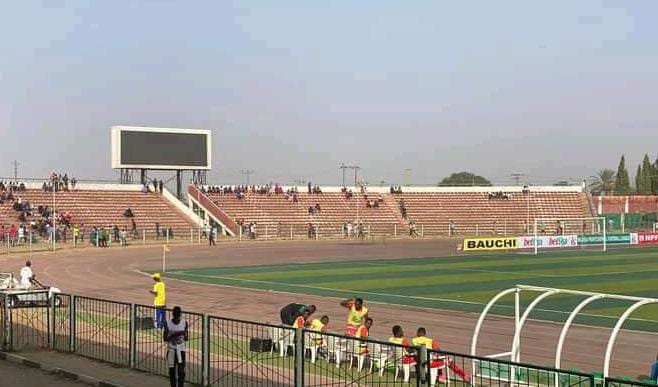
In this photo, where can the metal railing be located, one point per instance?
(229, 352)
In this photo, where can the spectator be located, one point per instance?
(310, 188)
(12, 235)
(133, 230)
(160, 186)
(116, 232)
(413, 232)
(171, 232)
(128, 213)
(176, 335)
(157, 230)
(124, 236)
(212, 236)
(73, 183)
(451, 228)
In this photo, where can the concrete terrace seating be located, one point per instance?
(105, 208)
(636, 204)
(280, 215)
(474, 210)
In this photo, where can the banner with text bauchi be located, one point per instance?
(646, 238)
(527, 242)
(611, 239)
(484, 244)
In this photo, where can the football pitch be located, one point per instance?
(465, 283)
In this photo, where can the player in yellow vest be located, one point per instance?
(362, 333)
(431, 344)
(319, 326)
(356, 316)
(399, 339)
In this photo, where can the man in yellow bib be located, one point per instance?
(356, 315)
(435, 362)
(159, 301)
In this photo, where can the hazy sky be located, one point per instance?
(553, 89)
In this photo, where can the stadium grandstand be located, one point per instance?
(282, 211)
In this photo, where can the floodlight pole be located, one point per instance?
(247, 172)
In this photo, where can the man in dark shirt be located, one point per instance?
(290, 312)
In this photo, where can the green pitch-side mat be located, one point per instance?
(467, 282)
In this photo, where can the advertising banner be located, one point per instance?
(544, 242)
(646, 238)
(489, 244)
(611, 239)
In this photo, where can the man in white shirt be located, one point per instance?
(26, 275)
(175, 335)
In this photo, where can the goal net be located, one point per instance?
(552, 233)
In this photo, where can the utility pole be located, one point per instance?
(356, 173)
(343, 167)
(407, 176)
(517, 177)
(15, 163)
(247, 172)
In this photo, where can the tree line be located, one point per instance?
(607, 181)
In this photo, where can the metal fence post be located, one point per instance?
(422, 231)
(133, 336)
(72, 329)
(6, 325)
(290, 232)
(205, 350)
(51, 322)
(299, 357)
(395, 230)
(167, 236)
(143, 237)
(423, 367)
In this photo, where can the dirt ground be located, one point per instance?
(114, 274)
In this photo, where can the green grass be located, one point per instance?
(466, 283)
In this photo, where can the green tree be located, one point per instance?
(639, 179)
(464, 179)
(622, 181)
(645, 182)
(604, 181)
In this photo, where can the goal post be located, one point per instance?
(569, 232)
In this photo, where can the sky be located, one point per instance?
(291, 89)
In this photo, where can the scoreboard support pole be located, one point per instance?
(179, 184)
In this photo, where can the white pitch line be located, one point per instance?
(396, 295)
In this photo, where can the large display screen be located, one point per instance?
(160, 148)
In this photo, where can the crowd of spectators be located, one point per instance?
(500, 195)
(396, 189)
(58, 183)
(158, 186)
(267, 189)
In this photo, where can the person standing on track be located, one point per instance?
(356, 316)
(159, 301)
(175, 335)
